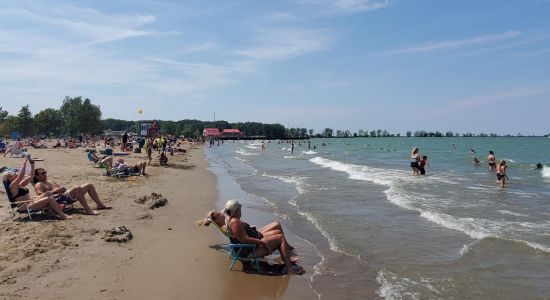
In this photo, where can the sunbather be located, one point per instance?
(273, 228)
(101, 162)
(22, 198)
(62, 195)
(16, 148)
(241, 232)
(138, 168)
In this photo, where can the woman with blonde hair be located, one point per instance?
(415, 160)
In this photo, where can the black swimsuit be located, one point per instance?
(251, 232)
(21, 192)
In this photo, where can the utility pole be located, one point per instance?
(214, 116)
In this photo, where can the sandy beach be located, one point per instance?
(169, 257)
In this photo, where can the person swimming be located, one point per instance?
(476, 161)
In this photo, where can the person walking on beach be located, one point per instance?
(501, 173)
(415, 160)
(492, 161)
(124, 141)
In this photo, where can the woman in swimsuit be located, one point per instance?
(273, 228)
(415, 159)
(241, 232)
(21, 196)
(501, 173)
(492, 161)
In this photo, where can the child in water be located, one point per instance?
(423, 163)
(476, 161)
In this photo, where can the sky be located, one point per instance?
(396, 65)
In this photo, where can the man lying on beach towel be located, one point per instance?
(62, 195)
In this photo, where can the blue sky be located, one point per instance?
(479, 66)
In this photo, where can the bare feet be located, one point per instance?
(103, 207)
(93, 213)
(294, 259)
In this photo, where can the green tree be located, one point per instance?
(3, 115)
(327, 132)
(80, 116)
(25, 124)
(8, 126)
(48, 121)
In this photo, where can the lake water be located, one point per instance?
(366, 227)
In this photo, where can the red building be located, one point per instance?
(235, 133)
(211, 132)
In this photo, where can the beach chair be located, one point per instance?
(235, 249)
(13, 204)
(18, 150)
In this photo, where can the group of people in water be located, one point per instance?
(418, 164)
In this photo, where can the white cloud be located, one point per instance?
(484, 100)
(360, 5)
(454, 44)
(332, 7)
(281, 44)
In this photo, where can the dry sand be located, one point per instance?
(168, 258)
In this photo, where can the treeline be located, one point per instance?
(78, 116)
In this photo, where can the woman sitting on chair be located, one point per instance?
(216, 216)
(241, 232)
(22, 198)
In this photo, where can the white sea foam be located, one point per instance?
(244, 152)
(507, 212)
(311, 218)
(393, 287)
(545, 172)
(509, 160)
(310, 152)
(466, 248)
(396, 193)
(299, 182)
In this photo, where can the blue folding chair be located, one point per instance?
(235, 249)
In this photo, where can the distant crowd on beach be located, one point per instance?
(57, 198)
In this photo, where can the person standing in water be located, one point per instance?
(415, 160)
(492, 161)
(422, 165)
(501, 173)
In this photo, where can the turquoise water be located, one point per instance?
(367, 227)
